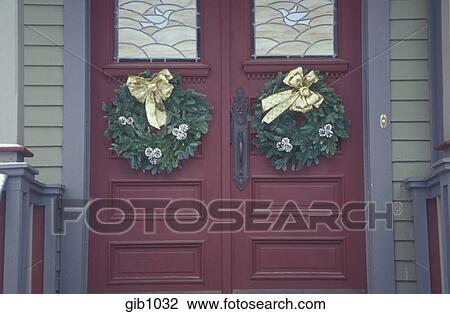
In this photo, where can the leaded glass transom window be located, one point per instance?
(157, 30)
(294, 28)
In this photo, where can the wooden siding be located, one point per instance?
(44, 66)
(411, 146)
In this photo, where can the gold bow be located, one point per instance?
(152, 92)
(299, 98)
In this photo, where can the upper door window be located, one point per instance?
(157, 30)
(294, 28)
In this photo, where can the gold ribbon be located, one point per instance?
(152, 93)
(300, 98)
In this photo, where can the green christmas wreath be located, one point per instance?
(289, 140)
(155, 123)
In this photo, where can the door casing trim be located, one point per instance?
(377, 141)
(74, 244)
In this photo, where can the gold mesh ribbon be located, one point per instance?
(299, 98)
(152, 93)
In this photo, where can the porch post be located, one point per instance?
(11, 80)
(17, 236)
(51, 246)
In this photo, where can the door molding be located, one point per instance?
(378, 142)
(377, 147)
(74, 244)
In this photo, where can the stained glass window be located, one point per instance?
(293, 28)
(157, 29)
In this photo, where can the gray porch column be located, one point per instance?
(17, 231)
(16, 238)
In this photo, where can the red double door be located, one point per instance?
(223, 261)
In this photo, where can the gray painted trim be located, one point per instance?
(378, 144)
(17, 241)
(51, 247)
(17, 225)
(435, 74)
(76, 136)
(444, 228)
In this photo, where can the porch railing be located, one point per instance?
(29, 245)
(431, 195)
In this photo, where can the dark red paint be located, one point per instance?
(296, 260)
(444, 145)
(433, 246)
(19, 149)
(225, 262)
(37, 259)
(2, 236)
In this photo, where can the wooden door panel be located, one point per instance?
(172, 262)
(285, 258)
(169, 261)
(165, 260)
(303, 190)
(297, 260)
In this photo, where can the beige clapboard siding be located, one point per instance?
(43, 116)
(407, 212)
(39, 13)
(409, 70)
(52, 34)
(43, 55)
(43, 95)
(411, 148)
(50, 174)
(418, 131)
(409, 49)
(45, 2)
(403, 150)
(410, 111)
(44, 137)
(43, 76)
(43, 79)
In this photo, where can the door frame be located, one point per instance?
(377, 141)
